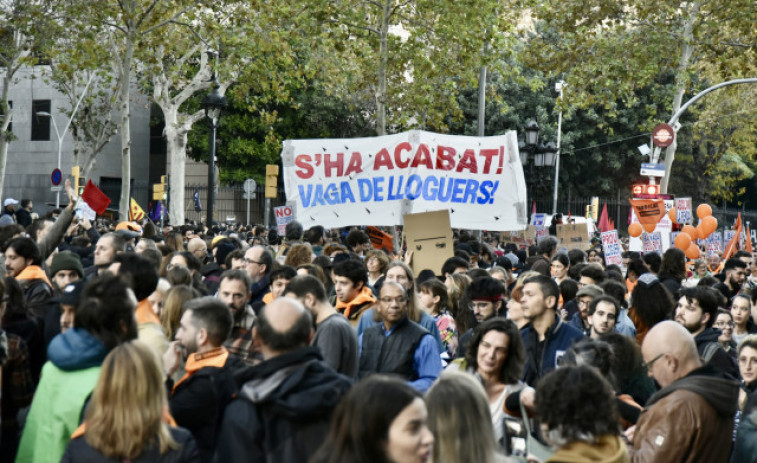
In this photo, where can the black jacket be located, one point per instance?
(283, 411)
(197, 403)
(79, 451)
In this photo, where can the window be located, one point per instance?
(40, 124)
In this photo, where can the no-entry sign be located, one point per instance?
(663, 135)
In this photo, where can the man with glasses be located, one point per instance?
(398, 345)
(691, 418)
(258, 262)
(696, 311)
(584, 297)
(486, 296)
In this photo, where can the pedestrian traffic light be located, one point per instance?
(642, 189)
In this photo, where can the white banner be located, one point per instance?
(375, 181)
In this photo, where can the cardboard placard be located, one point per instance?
(713, 244)
(611, 248)
(429, 237)
(380, 239)
(573, 236)
(684, 212)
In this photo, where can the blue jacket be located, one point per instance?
(540, 361)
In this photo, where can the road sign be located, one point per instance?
(663, 135)
(249, 186)
(652, 170)
(56, 177)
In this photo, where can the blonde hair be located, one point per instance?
(459, 417)
(172, 311)
(125, 413)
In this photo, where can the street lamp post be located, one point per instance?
(542, 154)
(559, 87)
(213, 104)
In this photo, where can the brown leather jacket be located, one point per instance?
(691, 420)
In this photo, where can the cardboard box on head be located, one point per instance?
(429, 237)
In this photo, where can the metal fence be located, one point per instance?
(231, 204)
(618, 209)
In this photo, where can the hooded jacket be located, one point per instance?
(67, 380)
(710, 350)
(690, 420)
(283, 411)
(609, 449)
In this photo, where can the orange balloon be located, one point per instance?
(649, 227)
(703, 210)
(691, 231)
(693, 251)
(682, 241)
(672, 215)
(710, 224)
(634, 229)
(701, 231)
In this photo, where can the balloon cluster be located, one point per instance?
(687, 239)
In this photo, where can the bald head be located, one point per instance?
(283, 325)
(197, 244)
(671, 350)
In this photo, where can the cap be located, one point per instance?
(72, 293)
(590, 290)
(129, 229)
(9, 202)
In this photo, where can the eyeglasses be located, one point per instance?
(648, 365)
(389, 300)
(250, 261)
(724, 324)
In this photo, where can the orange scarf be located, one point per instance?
(145, 314)
(213, 358)
(33, 272)
(167, 419)
(365, 295)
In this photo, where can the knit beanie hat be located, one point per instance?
(66, 260)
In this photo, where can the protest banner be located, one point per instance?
(284, 215)
(684, 212)
(713, 244)
(380, 239)
(429, 237)
(611, 248)
(537, 220)
(541, 233)
(653, 243)
(378, 180)
(573, 235)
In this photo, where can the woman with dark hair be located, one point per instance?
(192, 263)
(560, 266)
(496, 357)
(651, 303)
(127, 418)
(578, 415)
(672, 270)
(381, 419)
(18, 319)
(568, 291)
(628, 368)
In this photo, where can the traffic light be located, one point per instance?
(159, 189)
(595, 208)
(271, 180)
(643, 189)
(76, 173)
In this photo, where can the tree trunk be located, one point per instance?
(687, 49)
(4, 141)
(383, 62)
(125, 106)
(176, 142)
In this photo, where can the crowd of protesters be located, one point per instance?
(120, 341)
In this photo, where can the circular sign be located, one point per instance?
(249, 186)
(663, 135)
(56, 177)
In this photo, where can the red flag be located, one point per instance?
(95, 198)
(604, 224)
(533, 208)
(734, 243)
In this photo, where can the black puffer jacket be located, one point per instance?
(283, 410)
(79, 450)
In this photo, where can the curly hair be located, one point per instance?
(575, 404)
(512, 369)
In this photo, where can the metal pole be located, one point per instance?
(211, 172)
(266, 217)
(559, 87)
(248, 210)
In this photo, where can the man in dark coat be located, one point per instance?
(284, 407)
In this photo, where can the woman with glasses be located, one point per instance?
(724, 322)
(376, 262)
